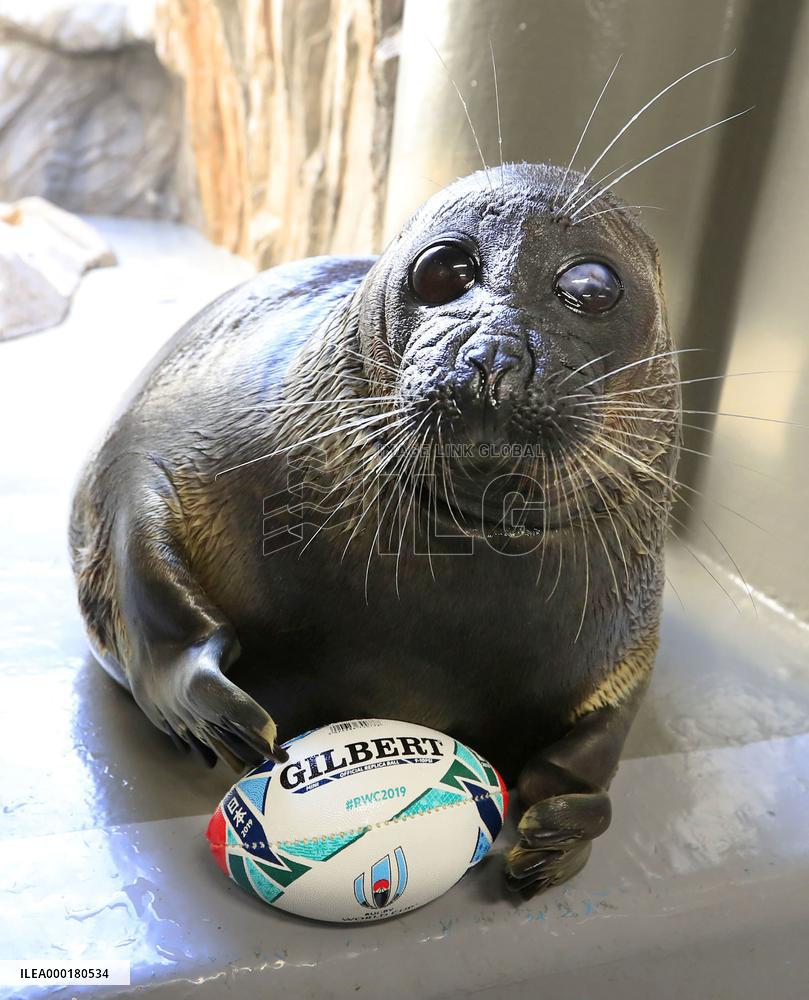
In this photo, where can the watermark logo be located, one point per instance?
(418, 512)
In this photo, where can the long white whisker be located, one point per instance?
(615, 532)
(574, 478)
(709, 413)
(690, 381)
(374, 361)
(635, 117)
(544, 513)
(398, 458)
(595, 185)
(294, 404)
(417, 462)
(584, 131)
(465, 111)
(613, 472)
(598, 425)
(648, 159)
(398, 437)
(676, 484)
(615, 208)
(587, 363)
(392, 454)
(644, 467)
(430, 491)
(357, 425)
(557, 484)
(497, 104)
(634, 364)
(398, 468)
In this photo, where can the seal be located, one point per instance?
(431, 485)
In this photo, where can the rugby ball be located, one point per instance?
(367, 819)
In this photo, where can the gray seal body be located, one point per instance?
(431, 485)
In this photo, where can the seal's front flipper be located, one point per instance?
(556, 837)
(188, 690)
(564, 787)
(152, 626)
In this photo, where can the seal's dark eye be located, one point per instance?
(442, 273)
(589, 287)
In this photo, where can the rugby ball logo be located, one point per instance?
(381, 895)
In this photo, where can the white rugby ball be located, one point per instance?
(367, 819)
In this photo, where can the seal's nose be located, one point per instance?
(493, 367)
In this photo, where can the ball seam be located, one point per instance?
(269, 845)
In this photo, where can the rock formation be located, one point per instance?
(289, 110)
(89, 117)
(266, 123)
(44, 251)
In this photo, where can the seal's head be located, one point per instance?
(503, 320)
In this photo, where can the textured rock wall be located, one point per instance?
(289, 110)
(89, 117)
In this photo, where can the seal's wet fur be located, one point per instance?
(183, 577)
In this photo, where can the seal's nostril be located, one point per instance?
(491, 360)
(479, 380)
(497, 378)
